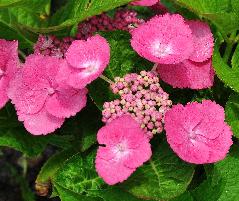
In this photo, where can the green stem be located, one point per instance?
(21, 53)
(106, 79)
(229, 47)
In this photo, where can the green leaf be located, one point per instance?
(222, 183)
(219, 12)
(123, 58)
(228, 75)
(235, 58)
(37, 6)
(165, 176)
(78, 175)
(67, 195)
(84, 126)
(78, 179)
(232, 113)
(100, 92)
(22, 141)
(76, 11)
(52, 165)
(184, 197)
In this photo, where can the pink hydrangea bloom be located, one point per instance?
(126, 148)
(188, 74)
(87, 60)
(144, 2)
(165, 39)
(202, 41)
(40, 100)
(197, 132)
(8, 66)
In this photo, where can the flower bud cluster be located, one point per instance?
(142, 97)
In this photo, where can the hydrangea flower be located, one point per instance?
(8, 66)
(197, 132)
(141, 97)
(41, 101)
(125, 149)
(144, 2)
(202, 41)
(165, 39)
(188, 74)
(87, 60)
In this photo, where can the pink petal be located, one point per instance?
(188, 74)
(66, 102)
(112, 172)
(41, 123)
(28, 97)
(144, 2)
(207, 138)
(88, 60)
(3, 94)
(165, 39)
(202, 40)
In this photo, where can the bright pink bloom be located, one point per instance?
(126, 148)
(165, 39)
(188, 74)
(87, 60)
(8, 66)
(40, 100)
(197, 132)
(144, 2)
(202, 40)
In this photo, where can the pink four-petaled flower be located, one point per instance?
(165, 39)
(126, 148)
(86, 60)
(197, 132)
(41, 100)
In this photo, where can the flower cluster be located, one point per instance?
(52, 46)
(46, 90)
(123, 19)
(178, 46)
(197, 132)
(142, 97)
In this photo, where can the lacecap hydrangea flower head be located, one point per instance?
(9, 63)
(197, 132)
(165, 39)
(86, 61)
(196, 72)
(144, 2)
(126, 147)
(42, 101)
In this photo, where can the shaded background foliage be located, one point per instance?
(62, 164)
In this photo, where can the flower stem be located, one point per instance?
(154, 67)
(21, 53)
(230, 44)
(106, 79)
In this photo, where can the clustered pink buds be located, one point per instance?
(52, 46)
(123, 19)
(142, 97)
